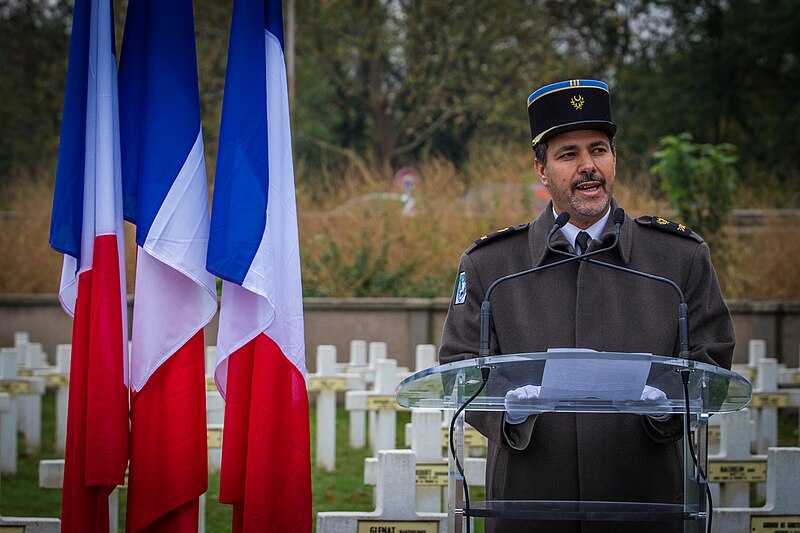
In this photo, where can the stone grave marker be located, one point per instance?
(782, 509)
(395, 510)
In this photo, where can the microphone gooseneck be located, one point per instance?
(486, 306)
(683, 309)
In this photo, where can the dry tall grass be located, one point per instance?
(357, 240)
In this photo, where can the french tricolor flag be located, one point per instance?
(87, 227)
(165, 195)
(253, 247)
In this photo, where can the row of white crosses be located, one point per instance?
(354, 379)
(24, 374)
(744, 438)
(732, 464)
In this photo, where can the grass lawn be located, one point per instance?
(343, 490)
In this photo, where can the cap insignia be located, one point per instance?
(577, 102)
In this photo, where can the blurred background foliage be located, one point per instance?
(442, 86)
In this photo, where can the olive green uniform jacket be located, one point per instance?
(601, 457)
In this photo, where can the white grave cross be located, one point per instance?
(395, 496)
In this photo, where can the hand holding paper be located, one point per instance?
(652, 393)
(516, 414)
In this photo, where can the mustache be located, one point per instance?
(586, 178)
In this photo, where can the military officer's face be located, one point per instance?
(579, 173)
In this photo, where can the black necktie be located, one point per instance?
(582, 242)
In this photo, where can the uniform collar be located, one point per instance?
(537, 237)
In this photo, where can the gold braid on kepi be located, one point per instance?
(568, 106)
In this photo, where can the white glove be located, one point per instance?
(652, 393)
(516, 414)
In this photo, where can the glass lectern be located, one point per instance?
(589, 387)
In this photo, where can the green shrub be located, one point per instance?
(699, 181)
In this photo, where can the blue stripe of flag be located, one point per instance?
(273, 19)
(159, 104)
(241, 183)
(67, 217)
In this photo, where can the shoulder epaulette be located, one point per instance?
(663, 224)
(510, 230)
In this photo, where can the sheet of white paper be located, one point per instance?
(604, 379)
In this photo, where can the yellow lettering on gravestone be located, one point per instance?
(327, 384)
(15, 387)
(775, 524)
(472, 438)
(57, 381)
(770, 400)
(432, 474)
(395, 526)
(737, 471)
(214, 437)
(714, 433)
(383, 403)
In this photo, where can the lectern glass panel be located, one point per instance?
(583, 381)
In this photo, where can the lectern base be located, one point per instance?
(581, 510)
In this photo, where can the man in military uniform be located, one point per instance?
(585, 456)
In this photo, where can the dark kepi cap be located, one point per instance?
(570, 105)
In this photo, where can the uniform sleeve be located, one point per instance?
(461, 340)
(461, 332)
(711, 335)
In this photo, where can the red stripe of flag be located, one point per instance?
(266, 448)
(97, 421)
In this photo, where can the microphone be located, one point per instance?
(683, 308)
(486, 306)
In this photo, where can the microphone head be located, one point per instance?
(619, 216)
(562, 219)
